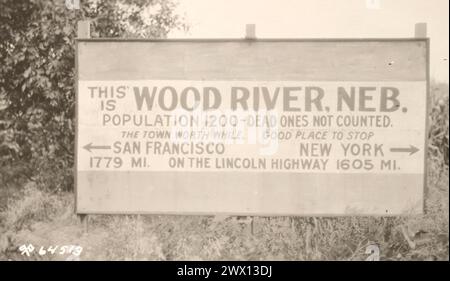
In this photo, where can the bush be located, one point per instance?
(35, 205)
(438, 121)
(37, 98)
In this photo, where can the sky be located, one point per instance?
(322, 19)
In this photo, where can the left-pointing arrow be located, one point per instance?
(90, 146)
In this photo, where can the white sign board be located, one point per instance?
(266, 127)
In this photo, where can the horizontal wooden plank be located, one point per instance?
(340, 60)
(249, 193)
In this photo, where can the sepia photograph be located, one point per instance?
(242, 133)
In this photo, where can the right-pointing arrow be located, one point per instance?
(411, 149)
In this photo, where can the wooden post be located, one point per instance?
(420, 30)
(252, 226)
(84, 29)
(83, 32)
(84, 219)
(250, 32)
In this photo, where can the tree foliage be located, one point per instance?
(37, 97)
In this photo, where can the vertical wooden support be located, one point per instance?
(84, 219)
(83, 32)
(84, 29)
(252, 226)
(250, 32)
(420, 30)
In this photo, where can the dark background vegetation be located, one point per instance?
(37, 156)
(37, 92)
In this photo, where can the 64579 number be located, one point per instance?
(105, 162)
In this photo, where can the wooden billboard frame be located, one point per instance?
(419, 38)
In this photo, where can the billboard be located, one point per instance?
(251, 127)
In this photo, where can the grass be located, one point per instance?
(47, 219)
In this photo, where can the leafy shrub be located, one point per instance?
(438, 121)
(34, 205)
(37, 99)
